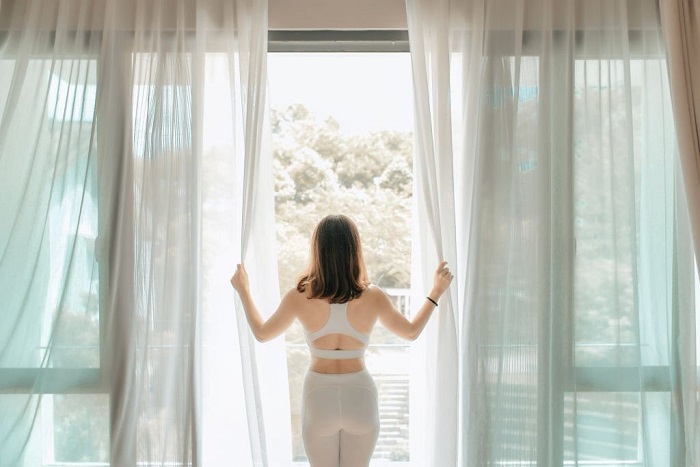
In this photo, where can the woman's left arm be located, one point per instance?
(276, 324)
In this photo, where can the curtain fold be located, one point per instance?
(681, 21)
(545, 129)
(135, 174)
(264, 368)
(434, 411)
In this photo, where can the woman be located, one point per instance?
(338, 307)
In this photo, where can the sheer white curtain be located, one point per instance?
(135, 174)
(434, 379)
(547, 172)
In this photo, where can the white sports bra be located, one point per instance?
(337, 324)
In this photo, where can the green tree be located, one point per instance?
(319, 170)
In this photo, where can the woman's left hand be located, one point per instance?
(441, 280)
(239, 280)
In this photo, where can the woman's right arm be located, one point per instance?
(397, 323)
(281, 319)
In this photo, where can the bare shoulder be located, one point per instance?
(300, 303)
(372, 292)
(291, 302)
(375, 295)
(294, 297)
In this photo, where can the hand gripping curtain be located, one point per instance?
(681, 22)
(123, 173)
(545, 128)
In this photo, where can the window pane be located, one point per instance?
(49, 277)
(342, 134)
(603, 428)
(624, 212)
(63, 429)
(80, 427)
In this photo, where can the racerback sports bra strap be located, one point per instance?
(337, 324)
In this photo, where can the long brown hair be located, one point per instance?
(336, 269)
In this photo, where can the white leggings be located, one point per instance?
(340, 419)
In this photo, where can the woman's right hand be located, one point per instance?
(441, 280)
(239, 281)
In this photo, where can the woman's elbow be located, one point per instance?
(412, 334)
(262, 337)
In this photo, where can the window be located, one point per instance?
(342, 135)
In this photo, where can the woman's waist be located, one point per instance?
(332, 366)
(341, 381)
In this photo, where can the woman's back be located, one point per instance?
(358, 316)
